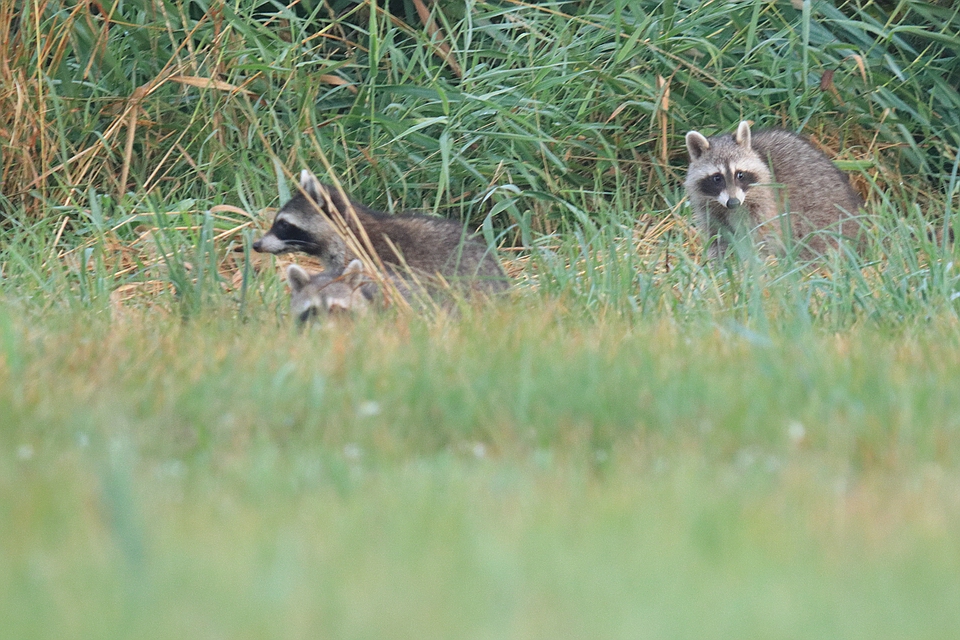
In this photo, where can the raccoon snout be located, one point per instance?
(733, 203)
(257, 246)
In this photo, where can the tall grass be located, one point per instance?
(137, 134)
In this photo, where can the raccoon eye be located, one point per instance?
(281, 225)
(717, 178)
(308, 315)
(739, 175)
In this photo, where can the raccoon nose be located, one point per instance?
(257, 245)
(733, 203)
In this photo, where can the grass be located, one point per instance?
(631, 444)
(505, 475)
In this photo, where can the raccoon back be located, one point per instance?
(812, 185)
(431, 245)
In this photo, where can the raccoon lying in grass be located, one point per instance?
(430, 247)
(767, 182)
(327, 293)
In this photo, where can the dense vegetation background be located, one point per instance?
(535, 122)
(632, 444)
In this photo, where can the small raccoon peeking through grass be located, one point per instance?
(768, 182)
(429, 247)
(350, 292)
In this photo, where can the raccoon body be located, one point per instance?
(768, 182)
(327, 293)
(428, 246)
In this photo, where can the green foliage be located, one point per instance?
(632, 443)
(528, 473)
(553, 128)
(529, 95)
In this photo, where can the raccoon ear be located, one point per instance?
(697, 145)
(353, 274)
(742, 136)
(297, 277)
(312, 187)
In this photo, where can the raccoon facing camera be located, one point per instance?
(771, 184)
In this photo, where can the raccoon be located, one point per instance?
(428, 246)
(327, 293)
(351, 291)
(745, 182)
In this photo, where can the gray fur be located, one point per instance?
(329, 294)
(794, 182)
(429, 246)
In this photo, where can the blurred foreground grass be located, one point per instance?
(506, 474)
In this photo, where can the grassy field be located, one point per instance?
(632, 444)
(511, 474)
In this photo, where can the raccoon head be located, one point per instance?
(724, 168)
(329, 293)
(303, 224)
